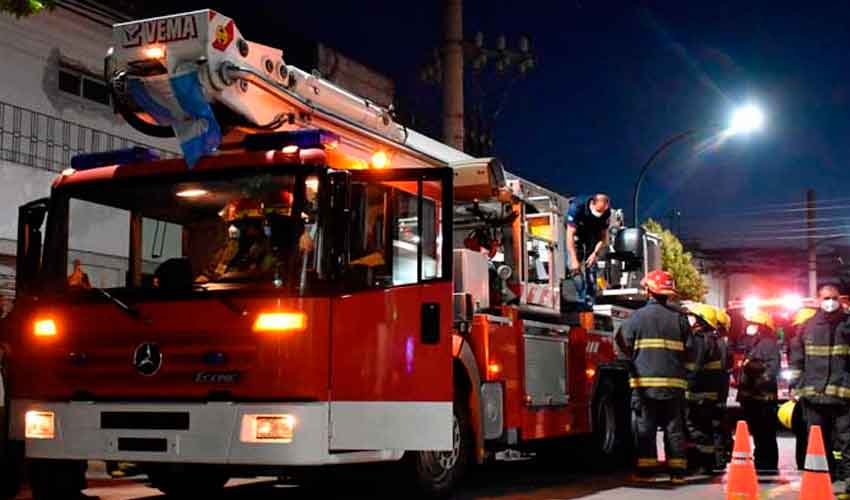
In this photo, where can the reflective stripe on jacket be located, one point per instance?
(656, 339)
(820, 359)
(708, 379)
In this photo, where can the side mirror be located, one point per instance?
(30, 219)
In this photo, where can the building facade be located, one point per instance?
(54, 104)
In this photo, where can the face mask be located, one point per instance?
(829, 305)
(595, 213)
(752, 330)
(233, 232)
(692, 321)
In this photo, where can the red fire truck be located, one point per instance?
(341, 289)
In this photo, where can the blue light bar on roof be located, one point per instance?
(305, 139)
(118, 157)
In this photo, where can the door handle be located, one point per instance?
(430, 323)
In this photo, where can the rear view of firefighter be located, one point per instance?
(819, 360)
(654, 338)
(707, 383)
(757, 388)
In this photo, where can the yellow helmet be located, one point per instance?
(786, 413)
(803, 315)
(760, 318)
(707, 312)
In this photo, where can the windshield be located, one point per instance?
(202, 231)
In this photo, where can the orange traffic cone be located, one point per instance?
(742, 483)
(816, 484)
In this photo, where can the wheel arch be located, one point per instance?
(608, 377)
(468, 380)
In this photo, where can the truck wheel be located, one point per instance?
(187, 480)
(437, 472)
(57, 479)
(611, 426)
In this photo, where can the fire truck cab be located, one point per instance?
(335, 289)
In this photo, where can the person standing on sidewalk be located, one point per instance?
(820, 363)
(757, 388)
(655, 339)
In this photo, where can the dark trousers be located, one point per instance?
(761, 420)
(706, 441)
(834, 422)
(647, 416)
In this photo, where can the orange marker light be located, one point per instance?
(494, 369)
(154, 52)
(590, 372)
(380, 159)
(44, 328)
(280, 322)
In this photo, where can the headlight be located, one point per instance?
(267, 428)
(40, 425)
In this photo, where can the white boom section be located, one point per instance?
(254, 82)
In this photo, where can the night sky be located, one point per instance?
(615, 79)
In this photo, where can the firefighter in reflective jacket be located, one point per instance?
(820, 364)
(757, 388)
(655, 339)
(707, 383)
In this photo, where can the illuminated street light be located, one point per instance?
(745, 119)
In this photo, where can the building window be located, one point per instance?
(81, 84)
(69, 82)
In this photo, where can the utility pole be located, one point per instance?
(812, 244)
(446, 68)
(453, 74)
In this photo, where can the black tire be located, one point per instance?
(57, 479)
(612, 425)
(436, 473)
(12, 468)
(187, 480)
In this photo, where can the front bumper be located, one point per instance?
(214, 435)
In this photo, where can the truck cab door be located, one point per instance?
(27, 267)
(391, 381)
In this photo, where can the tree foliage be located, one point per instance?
(26, 8)
(676, 261)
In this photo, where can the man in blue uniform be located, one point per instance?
(587, 235)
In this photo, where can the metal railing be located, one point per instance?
(42, 141)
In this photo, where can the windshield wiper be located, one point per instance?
(131, 311)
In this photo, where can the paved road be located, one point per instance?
(552, 479)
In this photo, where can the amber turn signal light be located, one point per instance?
(280, 322)
(44, 328)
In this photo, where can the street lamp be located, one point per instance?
(744, 120)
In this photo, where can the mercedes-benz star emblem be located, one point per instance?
(147, 359)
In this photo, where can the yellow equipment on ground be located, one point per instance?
(786, 413)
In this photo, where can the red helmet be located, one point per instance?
(660, 283)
